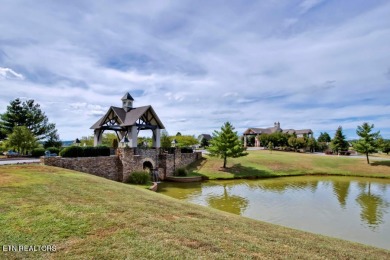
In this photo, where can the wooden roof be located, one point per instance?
(126, 119)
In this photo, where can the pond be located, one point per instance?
(355, 209)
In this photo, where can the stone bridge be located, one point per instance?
(127, 160)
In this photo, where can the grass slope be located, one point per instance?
(87, 217)
(265, 164)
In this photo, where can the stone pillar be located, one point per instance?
(97, 140)
(133, 136)
(245, 141)
(126, 156)
(156, 138)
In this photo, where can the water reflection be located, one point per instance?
(373, 207)
(341, 190)
(350, 208)
(228, 202)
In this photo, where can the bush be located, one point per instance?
(53, 150)
(86, 151)
(72, 151)
(187, 150)
(139, 177)
(181, 172)
(38, 152)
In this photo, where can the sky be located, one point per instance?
(315, 64)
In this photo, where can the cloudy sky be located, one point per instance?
(306, 63)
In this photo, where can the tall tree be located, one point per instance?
(26, 114)
(226, 143)
(368, 142)
(339, 143)
(324, 137)
(53, 140)
(21, 139)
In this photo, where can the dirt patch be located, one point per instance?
(7, 179)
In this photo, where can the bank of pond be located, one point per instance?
(351, 208)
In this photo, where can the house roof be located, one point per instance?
(268, 130)
(126, 119)
(205, 136)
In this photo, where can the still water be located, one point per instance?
(355, 209)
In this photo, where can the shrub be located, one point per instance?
(139, 177)
(38, 152)
(103, 150)
(53, 150)
(182, 172)
(72, 151)
(187, 150)
(86, 151)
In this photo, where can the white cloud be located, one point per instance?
(198, 65)
(7, 73)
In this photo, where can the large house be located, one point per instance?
(276, 128)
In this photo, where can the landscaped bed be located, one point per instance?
(87, 217)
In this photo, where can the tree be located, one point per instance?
(270, 146)
(226, 143)
(26, 114)
(312, 144)
(178, 134)
(53, 140)
(368, 141)
(165, 141)
(296, 142)
(339, 143)
(324, 138)
(385, 146)
(204, 142)
(186, 140)
(21, 139)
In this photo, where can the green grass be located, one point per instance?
(263, 164)
(87, 217)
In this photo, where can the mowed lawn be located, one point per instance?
(87, 217)
(266, 164)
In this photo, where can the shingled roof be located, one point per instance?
(126, 119)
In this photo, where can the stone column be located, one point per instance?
(97, 140)
(134, 136)
(245, 141)
(156, 138)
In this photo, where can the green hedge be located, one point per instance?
(139, 177)
(85, 151)
(53, 150)
(38, 152)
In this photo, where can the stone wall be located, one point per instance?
(128, 160)
(108, 167)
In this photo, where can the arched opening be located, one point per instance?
(148, 166)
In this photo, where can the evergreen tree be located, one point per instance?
(26, 114)
(53, 140)
(339, 143)
(368, 141)
(226, 143)
(324, 137)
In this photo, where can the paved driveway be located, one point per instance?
(18, 161)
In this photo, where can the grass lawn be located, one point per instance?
(87, 217)
(264, 164)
